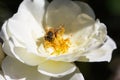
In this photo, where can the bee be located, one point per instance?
(49, 36)
(52, 33)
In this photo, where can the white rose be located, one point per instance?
(52, 36)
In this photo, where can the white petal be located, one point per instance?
(27, 57)
(77, 76)
(86, 37)
(80, 22)
(67, 13)
(61, 12)
(3, 33)
(97, 36)
(68, 57)
(56, 68)
(103, 53)
(73, 76)
(83, 59)
(37, 8)
(85, 8)
(24, 27)
(21, 54)
(7, 48)
(1, 76)
(15, 70)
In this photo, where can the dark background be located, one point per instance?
(108, 11)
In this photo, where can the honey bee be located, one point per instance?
(49, 36)
(52, 33)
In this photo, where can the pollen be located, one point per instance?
(54, 39)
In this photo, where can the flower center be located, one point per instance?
(54, 41)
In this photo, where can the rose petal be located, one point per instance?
(92, 34)
(25, 19)
(68, 57)
(68, 14)
(21, 53)
(27, 57)
(80, 22)
(77, 76)
(97, 36)
(37, 8)
(23, 24)
(85, 8)
(15, 70)
(7, 48)
(3, 33)
(1, 76)
(56, 68)
(102, 53)
(83, 59)
(73, 76)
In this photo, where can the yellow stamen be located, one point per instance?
(54, 39)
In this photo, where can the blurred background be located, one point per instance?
(108, 11)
